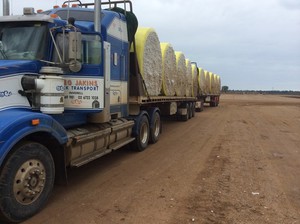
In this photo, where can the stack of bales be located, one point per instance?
(201, 81)
(149, 59)
(189, 78)
(167, 72)
(180, 76)
(195, 80)
(168, 69)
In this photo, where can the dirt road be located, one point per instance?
(238, 163)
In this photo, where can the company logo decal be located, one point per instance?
(5, 93)
(60, 88)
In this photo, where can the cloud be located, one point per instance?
(290, 4)
(251, 44)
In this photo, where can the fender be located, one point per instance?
(16, 124)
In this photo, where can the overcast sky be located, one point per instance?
(251, 44)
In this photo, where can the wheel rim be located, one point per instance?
(157, 128)
(144, 133)
(29, 181)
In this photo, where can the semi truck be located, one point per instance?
(71, 91)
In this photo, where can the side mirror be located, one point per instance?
(75, 46)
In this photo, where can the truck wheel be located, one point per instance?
(155, 129)
(141, 140)
(26, 182)
(186, 116)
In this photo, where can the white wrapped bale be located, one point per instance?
(195, 80)
(189, 78)
(180, 74)
(168, 69)
(206, 83)
(211, 82)
(201, 81)
(218, 84)
(214, 83)
(149, 59)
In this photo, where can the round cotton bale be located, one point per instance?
(189, 78)
(180, 74)
(206, 83)
(211, 83)
(201, 81)
(215, 84)
(149, 59)
(195, 80)
(168, 69)
(218, 84)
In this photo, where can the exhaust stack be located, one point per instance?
(97, 16)
(5, 7)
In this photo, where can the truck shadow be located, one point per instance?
(82, 175)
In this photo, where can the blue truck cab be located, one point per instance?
(64, 89)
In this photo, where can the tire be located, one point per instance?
(155, 128)
(186, 117)
(141, 140)
(26, 181)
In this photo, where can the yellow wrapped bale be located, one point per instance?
(149, 58)
(189, 78)
(218, 84)
(216, 88)
(206, 83)
(180, 75)
(201, 81)
(211, 83)
(195, 80)
(168, 69)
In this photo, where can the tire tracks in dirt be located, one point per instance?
(238, 184)
(238, 163)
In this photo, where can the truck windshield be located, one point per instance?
(22, 40)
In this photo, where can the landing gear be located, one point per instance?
(200, 106)
(193, 109)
